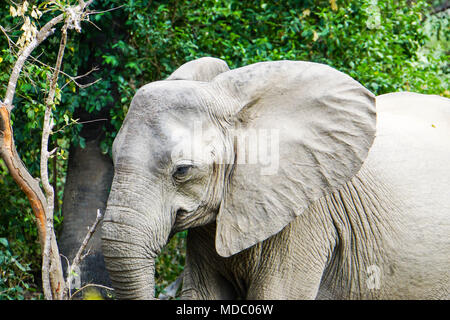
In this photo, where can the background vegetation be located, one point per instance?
(392, 45)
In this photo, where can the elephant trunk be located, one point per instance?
(132, 236)
(131, 270)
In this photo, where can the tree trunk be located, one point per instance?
(88, 182)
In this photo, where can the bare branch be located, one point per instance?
(79, 256)
(10, 42)
(84, 75)
(88, 237)
(96, 26)
(51, 153)
(76, 122)
(79, 85)
(170, 291)
(99, 12)
(72, 78)
(45, 31)
(91, 285)
(88, 252)
(104, 11)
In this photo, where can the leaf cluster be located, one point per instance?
(14, 276)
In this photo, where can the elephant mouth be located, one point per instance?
(183, 219)
(182, 212)
(189, 218)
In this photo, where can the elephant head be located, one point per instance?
(249, 148)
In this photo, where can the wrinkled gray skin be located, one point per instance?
(357, 208)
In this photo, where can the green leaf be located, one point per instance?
(18, 265)
(4, 242)
(30, 113)
(82, 142)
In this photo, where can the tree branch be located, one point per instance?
(91, 285)
(51, 255)
(72, 78)
(45, 31)
(79, 257)
(19, 172)
(170, 291)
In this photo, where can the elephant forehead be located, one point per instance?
(175, 96)
(165, 139)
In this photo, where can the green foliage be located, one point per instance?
(14, 276)
(376, 42)
(170, 263)
(436, 28)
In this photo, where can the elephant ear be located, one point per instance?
(313, 126)
(202, 69)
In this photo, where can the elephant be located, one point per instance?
(293, 180)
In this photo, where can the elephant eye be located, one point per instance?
(181, 171)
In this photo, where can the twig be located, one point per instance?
(7, 37)
(90, 285)
(84, 5)
(96, 26)
(171, 290)
(79, 256)
(72, 78)
(67, 260)
(104, 11)
(79, 85)
(88, 237)
(76, 122)
(108, 10)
